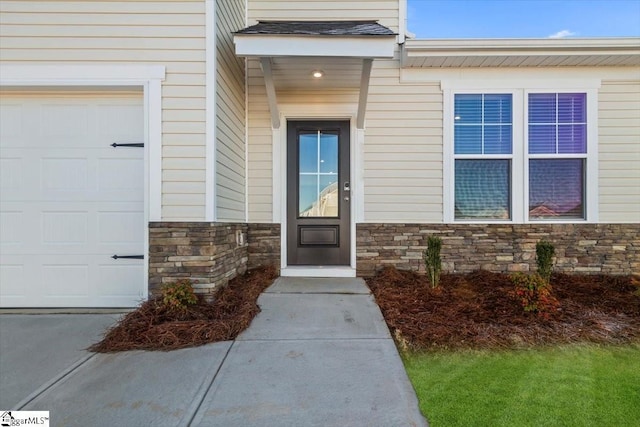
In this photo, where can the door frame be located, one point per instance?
(105, 77)
(297, 253)
(328, 112)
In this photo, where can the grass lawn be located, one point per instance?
(573, 385)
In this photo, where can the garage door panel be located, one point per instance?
(65, 228)
(70, 174)
(121, 229)
(11, 169)
(119, 280)
(78, 281)
(70, 201)
(12, 127)
(11, 228)
(123, 176)
(117, 122)
(105, 228)
(65, 120)
(65, 281)
(12, 279)
(64, 174)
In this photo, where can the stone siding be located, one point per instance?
(209, 253)
(264, 245)
(580, 248)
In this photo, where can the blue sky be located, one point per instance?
(523, 18)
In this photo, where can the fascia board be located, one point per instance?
(289, 45)
(520, 47)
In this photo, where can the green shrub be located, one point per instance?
(544, 258)
(432, 260)
(534, 293)
(178, 295)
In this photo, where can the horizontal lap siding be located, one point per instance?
(403, 149)
(619, 151)
(260, 153)
(169, 33)
(384, 11)
(230, 114)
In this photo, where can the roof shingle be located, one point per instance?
(318, 28)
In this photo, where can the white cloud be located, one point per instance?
(562, 34)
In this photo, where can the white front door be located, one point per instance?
(69, 200)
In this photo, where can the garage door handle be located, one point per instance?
(135, 144)
(128, 257)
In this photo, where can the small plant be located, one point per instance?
(432, 260)
(179, 295)
(544, 258)
(534, 293)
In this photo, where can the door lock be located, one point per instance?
(346, 187)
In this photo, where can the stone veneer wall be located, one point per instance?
(580, 248)
(264, 245)
(209, 253)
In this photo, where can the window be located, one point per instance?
(557, 140)
(482, 151)
(520, 155)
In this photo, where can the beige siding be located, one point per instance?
(169, 33)
(619, 151)
(260, 171)
(403, 149)
(384, 11)
(230, 114)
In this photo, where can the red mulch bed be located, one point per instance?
(153, 326)
(480, 310)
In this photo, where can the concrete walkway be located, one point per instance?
(319, 354)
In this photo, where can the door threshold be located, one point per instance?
(318, 271)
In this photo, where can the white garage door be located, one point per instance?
(70, 201)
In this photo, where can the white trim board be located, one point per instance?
(319, 271)
(83, 75)
(210, 209)
(254, 45)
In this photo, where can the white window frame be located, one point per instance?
(519, 196)
(590, 158)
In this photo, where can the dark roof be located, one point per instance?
(318, 28)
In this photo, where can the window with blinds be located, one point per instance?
(557, 149)
(483, 139)
(519, 156)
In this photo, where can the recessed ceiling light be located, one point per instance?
(317, 74)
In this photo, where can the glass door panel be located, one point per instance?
(318, 189)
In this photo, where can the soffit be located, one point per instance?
(459, 53)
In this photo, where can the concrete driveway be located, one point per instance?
(319, 354)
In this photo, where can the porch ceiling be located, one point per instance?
(295, 73)
(289, 53)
